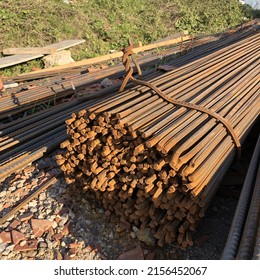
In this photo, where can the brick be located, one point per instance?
(5, 237)
(40, 226)
(17, 236)
(76, 245)
(66, 229)
(14, 224)
(58, 236)
(30, 245)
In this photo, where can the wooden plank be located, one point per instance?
(103, 58)
(12, 51)
(20, 58)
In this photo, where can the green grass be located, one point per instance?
(107, 24)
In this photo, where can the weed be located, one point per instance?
(107, 24)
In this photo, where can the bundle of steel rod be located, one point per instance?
(155, 154)
(28, 139)
(243, 239)
(25, 140)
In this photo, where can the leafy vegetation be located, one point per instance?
(107, 24)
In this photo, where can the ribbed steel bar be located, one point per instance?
(156, 163)
(248, 240)
(236, 230)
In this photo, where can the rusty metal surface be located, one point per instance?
(157, 163)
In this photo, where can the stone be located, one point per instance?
(43, 245)
(72, 215)
(57, 219)
(2, 194)
(33, 203)
(54, 224)
(145, 236)
(40, 252)
(64, 219)
(134, 254)
(67, 257)
(50, 233)
(40, 216)
(22, 243)
(34, 209)
(29, 169)
(76, 245)
(5, 237)
(135, 229)
(17, 236)
(28, 246)
(58, 58)
(2, 247)
(18, 191)
(7, 205)
(132, 234)
(19, 183)
(48, 211)
(25, 217)
(59, 255)
(66, 229)
(58, 236)
(50, 245)
(9, 249)
(14, 224)
(40, 226)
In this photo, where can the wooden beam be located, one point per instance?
(20, 58)
(99, 59)
(46, 50)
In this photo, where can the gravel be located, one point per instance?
(81, 230)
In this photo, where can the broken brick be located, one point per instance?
(76, 245)
(5, 237)
(29, 246)
(17, 236)
(58, 236)
(66, 230)
(7, 205)
(14, 224)
(40, 226)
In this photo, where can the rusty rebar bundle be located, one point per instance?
(27, 139)
(158, 163)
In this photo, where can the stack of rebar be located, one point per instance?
(27, 139)
(158, 164)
